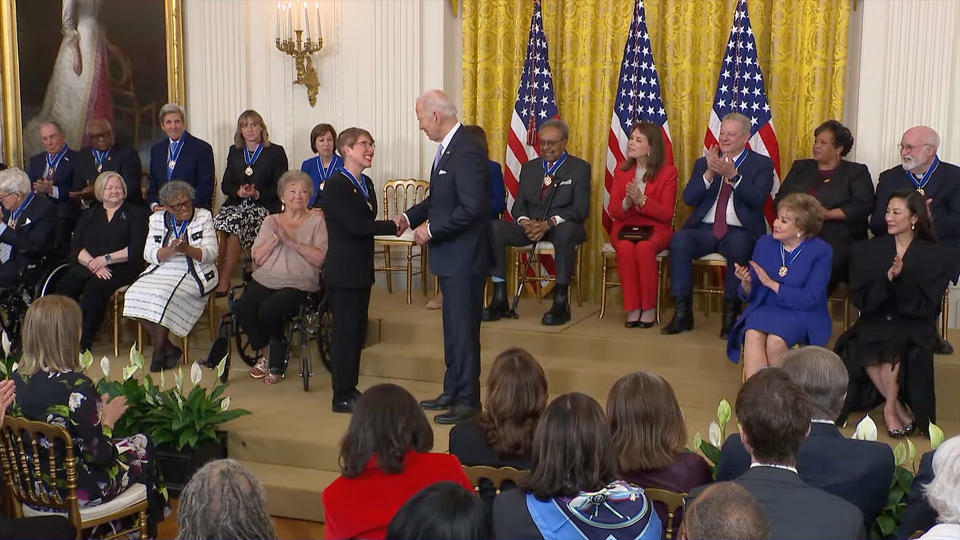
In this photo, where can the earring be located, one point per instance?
(799, 235)
(282, 207)
(913, 226)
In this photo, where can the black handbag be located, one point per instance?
(635, 233)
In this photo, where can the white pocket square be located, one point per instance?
(441, 171)
(566, 182)
(27, 222)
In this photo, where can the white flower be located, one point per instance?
(222, 366)
(14, 367)
(163, 381)
(75, 400)
(178, 379)
(714, 433)
(136, 359)
(225, 404)
(105, 366)
(196, 374)
(5, 342)
(86, 360)
(866, 430)
(129, 371)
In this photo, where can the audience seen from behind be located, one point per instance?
(51, 387)
(724, 511)
(774, 417)
(943, 492)
(27, 226)
(224, 500)
(385, 459)
(574, 464)
(649, 437)
(441, 511)
(856, 471)
(320, 167)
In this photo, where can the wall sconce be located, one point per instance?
(294, 38)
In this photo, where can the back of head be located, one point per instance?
(442, 511)
(822, 376)
(645, 422)
(725, 511)
(774, 415)
(516, 397)
(437, 101)
(572, 451)
(51, 335)
(224, 500)
(943, 492)
(387, 422)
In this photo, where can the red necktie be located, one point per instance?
(720, 217)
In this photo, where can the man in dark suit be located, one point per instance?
(454, 221)
(727, 191)
(52, 174)
(938, 181)
(856, 471)
(106, 155)
(774, 415)
(559, 220)
(28, 223)
(181, 157)
(724, 510)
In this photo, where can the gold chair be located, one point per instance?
(712, 264)
(544, 248)
(496, 476)
(117, 314)
(398, 196)
(674, 502)
(33, 473)
(608, 263)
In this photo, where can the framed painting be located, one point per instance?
(73, 60)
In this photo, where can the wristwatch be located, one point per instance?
(106, 258)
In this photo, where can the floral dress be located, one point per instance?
(105, 466)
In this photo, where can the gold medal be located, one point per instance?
(547, 180)
(783, 271)
(921, 192)
(172, 164)
(99, 167)
(248, 171)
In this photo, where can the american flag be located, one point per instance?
(638, 100)
(740, 89)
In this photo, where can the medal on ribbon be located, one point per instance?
(250, 158)
(325, 173)
(100, 158)
(551, 170)
(178, 230)
(16, 213)
(53, 162)
(920, 184)
(358, 185)
(784, 263)
(173, 153)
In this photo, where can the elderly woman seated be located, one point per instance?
(27, 225)
(181, 251)
(288, 252)
(107, 252)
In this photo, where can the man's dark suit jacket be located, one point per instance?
(64, 178)
(943, 187)
(458, 209)
(33, 232)
(123, 159)
(918, 516)
(856, 471)
(796, 510)
(749, 195)
(572, 184)
(194, 166)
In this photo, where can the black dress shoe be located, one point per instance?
(499, 306)
(344, 405)
(441, 402)
(943, 347)
(560, 310)
(641, 324)
(631, 324)
(731, 311)
(456, 414)
(682, 317)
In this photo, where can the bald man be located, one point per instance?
(105, 154)
(938, 181)
(52, 174)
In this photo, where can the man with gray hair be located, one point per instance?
(180, 157)
(224, 500)
(724, 511)
(52, 175)
(27, 223)
(857, 471)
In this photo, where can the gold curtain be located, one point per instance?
(802, 47)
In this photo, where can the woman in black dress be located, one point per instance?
(897, 281)
(106, 252)
(254, 166)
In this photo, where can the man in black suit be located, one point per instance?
(566, 179)
(181, 157)
(856, 471)
(938, 181)
(724, 510)
(454, 221)
(52, 174)
(28, 223)
(774, 415)
(106, 155)
(727, 191)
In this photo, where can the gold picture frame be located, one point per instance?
(12, 127)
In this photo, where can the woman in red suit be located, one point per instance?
(644, 195)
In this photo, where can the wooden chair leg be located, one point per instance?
(212, 315)
(603, 286)
(945, 314)
(579, 275)
(660, 286)
(185, 345)
(386, 264)
(139, 337)
(116, 324)
(409, 275)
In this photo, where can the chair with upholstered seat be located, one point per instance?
(398, 196)
(42, 482)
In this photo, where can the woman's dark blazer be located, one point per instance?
(267, 170)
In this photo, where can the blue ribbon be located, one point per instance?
(173, 154)
(926, 176)
(53, 163)
(335, 163)
(794, 254)
(556, 165)
(251, 158)
(178, 229)
(100, 157)
(360, 185)
(23, 206)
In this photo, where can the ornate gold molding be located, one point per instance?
(173, 19)
(10, 83)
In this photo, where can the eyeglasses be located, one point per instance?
(911, 147)
(365, 144)
(180, 205)
(5, 195)
(550, 142)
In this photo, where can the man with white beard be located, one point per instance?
(937, 181)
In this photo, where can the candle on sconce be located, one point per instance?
(319, 23)
(277, 31)
(289, 20)
(306, 21)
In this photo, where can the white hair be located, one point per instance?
(439, 102)
(224, 500)
(14, 180)
(943, 493)
(171, 108)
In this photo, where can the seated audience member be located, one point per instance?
(442, 511)
(46, 527)
(574, 465)
(786, 286)
(500, 436)
(105, 155)
(385, 459)
(323, 143)
(288, 254)
(774, 416)
(563, 181)
(52, 174)
(642, 202)
(727, 191)
(943, 492)
(649, 437)
(897, 282)
(842, 187)
(724, 511)
(106, 252)
(918, 516)
(856, 471)
(171, 293)
(51, 387)
(938, 182)
(28, 224)
(181, 157)
(224, 500)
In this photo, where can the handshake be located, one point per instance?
(421, 235)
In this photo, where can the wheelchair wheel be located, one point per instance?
(246, 351)
(48, 282)
(325, 335)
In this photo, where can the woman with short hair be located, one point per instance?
(786, 286)
(442, 511)
(943, 492)
(320, 167)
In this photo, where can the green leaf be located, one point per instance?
(903, 478)
(936, 436)
(887, 524)
(899, 454)
(711, 452)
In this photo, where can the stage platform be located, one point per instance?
(291, 439)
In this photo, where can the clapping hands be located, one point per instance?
(635, 194)
(717, 164)
(895, 268)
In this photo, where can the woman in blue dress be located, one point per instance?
(786, 286)
(326, 162)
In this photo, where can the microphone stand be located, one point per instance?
(533, 250)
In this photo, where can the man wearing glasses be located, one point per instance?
(105, 155)
(939, 183)
(552, 204)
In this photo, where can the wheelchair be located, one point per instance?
(39, 277)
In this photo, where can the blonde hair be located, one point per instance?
(246, 117)
(51, 335)
(100, 184)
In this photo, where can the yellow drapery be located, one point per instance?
(802, 46)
